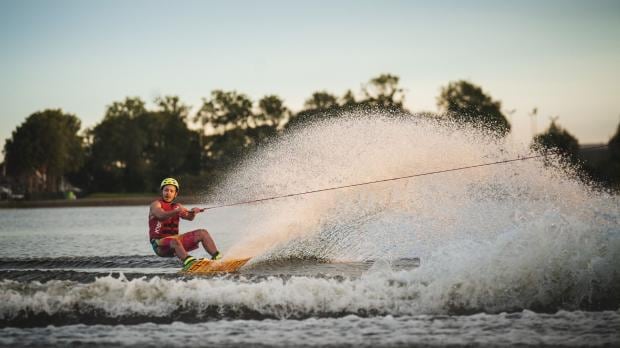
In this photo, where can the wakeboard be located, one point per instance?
(206, 267)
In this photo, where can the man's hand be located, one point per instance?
(197, 210)
(191, 213)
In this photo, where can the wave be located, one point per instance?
(378, 292)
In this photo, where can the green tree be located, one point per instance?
(614, 145)
(557, 139)
(227, 119)
(271, 111)
(466, 102)
(133, 148)
(171, 147)
(223, 149)
(383, 92)
(348, 99)
(130, 108)
(172, 105)
(43, 149)
(319, 106)
(225, 110)
(118, 161)
(611, 168)
(321, 100)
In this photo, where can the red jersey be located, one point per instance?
(164, 228)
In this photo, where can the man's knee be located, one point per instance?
(203, 233)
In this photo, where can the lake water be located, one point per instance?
(88, 276)
(521, 254)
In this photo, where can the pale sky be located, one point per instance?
(562, 57)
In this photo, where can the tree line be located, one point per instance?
(133, 147)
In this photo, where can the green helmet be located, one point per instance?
(169, 181)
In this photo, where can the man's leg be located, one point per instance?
(179, 250)
(175, 244)
(203, 237)
(206, 241)
(179, 245)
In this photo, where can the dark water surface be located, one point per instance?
(87, 277)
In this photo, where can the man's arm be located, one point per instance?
(160, 214)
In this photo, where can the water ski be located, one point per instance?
(206, 266)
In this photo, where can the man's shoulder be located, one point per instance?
(160, 203)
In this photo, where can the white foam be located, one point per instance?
(297, 296)
(515, 234)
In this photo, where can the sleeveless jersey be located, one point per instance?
(165, 228)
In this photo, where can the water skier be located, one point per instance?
(164, 234)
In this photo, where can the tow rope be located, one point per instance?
(391, 179)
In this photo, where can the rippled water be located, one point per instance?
(523, 329)
(521, 254)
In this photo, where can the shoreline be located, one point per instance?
(92, 202)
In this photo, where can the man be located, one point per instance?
(164, 227)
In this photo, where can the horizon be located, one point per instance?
(558, 56)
